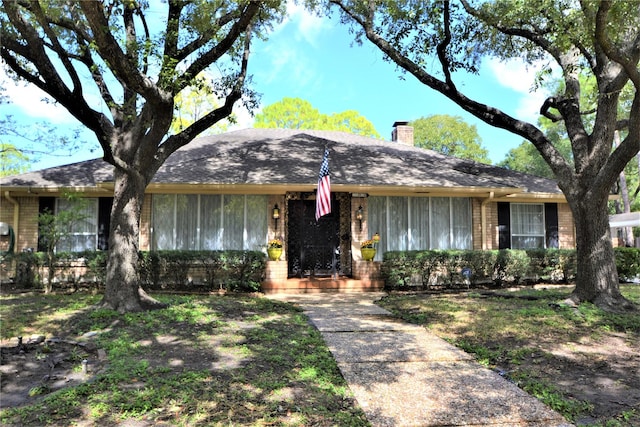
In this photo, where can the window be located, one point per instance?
(527, 226)
(209, 222)
(82, 234)
(418, 223)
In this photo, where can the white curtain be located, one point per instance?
(257, 223)
(398, 223)
(212, 222)
(418, 223)
(440, 223)
(186, 221)
(163, 212)
(461, 226)
(82, 233)
(527, 226)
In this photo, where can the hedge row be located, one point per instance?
(176, 270)
(244, 270)
(453, 268)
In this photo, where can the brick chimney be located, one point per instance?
(402, 133)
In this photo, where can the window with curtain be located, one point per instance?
(209, 222)
(527, 226)
(418, 223)
(82, 234)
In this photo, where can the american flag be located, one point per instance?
(323, 197)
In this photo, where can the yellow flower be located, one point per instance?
(275, 243)
(367, 244)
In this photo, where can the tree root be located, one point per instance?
(143, 302)
(609, 303)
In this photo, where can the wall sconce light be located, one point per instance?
(276, 214)
(359, 216)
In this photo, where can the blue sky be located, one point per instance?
(315, 59)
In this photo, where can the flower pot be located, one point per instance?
(274, 253)
(368, 253)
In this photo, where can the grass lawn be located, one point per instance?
(245, 360)
(205, 361)
(582, 362)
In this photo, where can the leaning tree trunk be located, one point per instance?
(123, 291)
(596, 276)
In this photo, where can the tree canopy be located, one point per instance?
(118, 67)
(449, 135)
(296, 113)
(597, 38)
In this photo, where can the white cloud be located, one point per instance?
(308, 25)
(32, 101)
(520, 77)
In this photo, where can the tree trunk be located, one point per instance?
(597, 276)
(123, 291)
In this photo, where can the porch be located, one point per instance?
(366, 278)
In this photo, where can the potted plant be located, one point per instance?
(368, 247)
(274, 249)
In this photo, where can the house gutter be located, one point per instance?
(16, 216)
(483, 218)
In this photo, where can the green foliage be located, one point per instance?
(628, 263)
(402, 269)
(54, 227)
(26, 268)
(526, 158)
(449, 135)
(296, 113)
(12, 160)
(553, 398)
(193, 103)
(230, 270)
(512, 265)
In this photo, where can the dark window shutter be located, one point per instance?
(504, 225)
(551, 225)
(104, 221)
(45, 204)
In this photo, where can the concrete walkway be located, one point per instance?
(402, 375)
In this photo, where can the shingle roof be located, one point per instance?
(286, 156)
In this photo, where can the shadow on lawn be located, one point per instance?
(202, 361)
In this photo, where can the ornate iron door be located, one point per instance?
(313, 247)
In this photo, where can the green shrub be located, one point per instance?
(409, 269)
(230, 270)
(27, 265)
(628, 263)
(512, 265)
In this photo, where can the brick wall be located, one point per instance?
(27, 231)
(566, 227)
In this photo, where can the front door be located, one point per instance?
(313, 246)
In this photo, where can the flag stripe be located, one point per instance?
(323, 196)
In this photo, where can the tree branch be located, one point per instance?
(223, 46)
(124, 70)
(628, 60)
(488, 114)
(176, 141)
